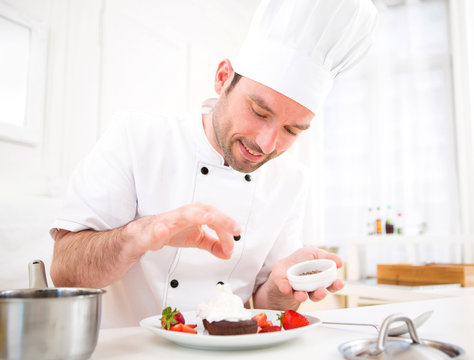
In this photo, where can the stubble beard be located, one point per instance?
(220, 132)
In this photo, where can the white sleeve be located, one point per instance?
(289, 239)
(101, 193)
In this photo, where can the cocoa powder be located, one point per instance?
(310, 272)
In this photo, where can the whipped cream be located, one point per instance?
(224, 306)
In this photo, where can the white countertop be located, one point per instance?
(452, 322)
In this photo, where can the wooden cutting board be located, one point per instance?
(430, 274)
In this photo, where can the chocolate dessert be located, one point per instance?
(225, 327)
(225, 314)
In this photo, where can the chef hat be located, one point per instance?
(298, 47)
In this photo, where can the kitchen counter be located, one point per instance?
(369, 291)
(452, 322)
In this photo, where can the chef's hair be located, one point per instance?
(234, 82)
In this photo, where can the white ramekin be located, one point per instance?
(323, 279)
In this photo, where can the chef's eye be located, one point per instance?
(289, 131)
(256, 113)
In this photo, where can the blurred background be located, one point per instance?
(391, 158)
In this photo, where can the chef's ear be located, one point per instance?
(223, 77)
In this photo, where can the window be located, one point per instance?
(388, 128)
(22, 76)
(14, 42)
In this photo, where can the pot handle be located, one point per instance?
(37, 275)
(384, 332)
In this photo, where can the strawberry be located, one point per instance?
(177, 327)
(170, 317)
(189, 329)
(260, 318)
(270, 329)
(266, 324)
(183, 328)
(290, 319)
(179, 318)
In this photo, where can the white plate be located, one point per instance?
(202, 340)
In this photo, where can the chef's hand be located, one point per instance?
(183, 227)
(279, 278)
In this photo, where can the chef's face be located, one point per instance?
(253, 123)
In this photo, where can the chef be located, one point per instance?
(167, 206)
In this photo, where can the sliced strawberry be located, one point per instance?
(260, 318)
(270, 329)
(189, 329)
(192, 325)
(183, 328)
(266, 324)
(291, 319)
(177, 327)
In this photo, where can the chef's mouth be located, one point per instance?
(249, 154)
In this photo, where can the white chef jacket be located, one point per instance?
(147, 164)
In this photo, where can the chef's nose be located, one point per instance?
(267, 138)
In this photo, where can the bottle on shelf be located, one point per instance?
(399, 224)
(389, 228)
(378, 222)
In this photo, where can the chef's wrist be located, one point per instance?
(133, 239)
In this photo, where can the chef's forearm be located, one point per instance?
(91, 258)
(268, 296)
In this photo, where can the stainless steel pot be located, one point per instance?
(48, 323)
(399, 348)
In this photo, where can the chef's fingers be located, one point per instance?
(183, 228)
(333, 257)
(300, 296)
(226, 242)
(195, 214)
(217, 247)
(311, 253)
(317, 253)
(222, 246)
(198, 213)
(224, 226)
(318, 294)
(278, 276)
(218, 221)
(204, 242)
(226, 229)
(336, 285)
